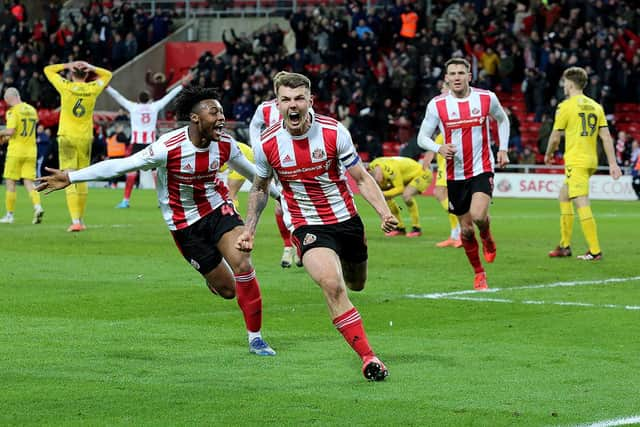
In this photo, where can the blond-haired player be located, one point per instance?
(75, 131)
(582, 121)
(401, 176)
(22, 120)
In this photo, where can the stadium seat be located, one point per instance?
(391, 148)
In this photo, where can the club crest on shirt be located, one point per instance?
(475, 111)
(309, 239)
(213, 166)
(318, 154)
(195, 264)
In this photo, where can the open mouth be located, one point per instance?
(295, 118)
(218, 129)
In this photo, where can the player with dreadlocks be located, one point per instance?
(194, 201)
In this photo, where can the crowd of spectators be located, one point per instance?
(375, 70)
(28, 45)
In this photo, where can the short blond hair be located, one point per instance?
(291, 80)
(277, 77)
(457, 61)
(576, 75)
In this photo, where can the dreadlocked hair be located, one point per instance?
(190, 97)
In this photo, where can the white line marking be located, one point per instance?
(614, 422)
(462, 295)
(515, 288)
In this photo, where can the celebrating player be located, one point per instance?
(401, 176)
(194, 202)
(582, 120)
(308, 154)
(462, 116)
(144, 116)
(75, 130)
(22, 120)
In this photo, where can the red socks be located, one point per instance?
(471, 249)
(131, 181)
(350, 326)
(249, 299)
(284, 231)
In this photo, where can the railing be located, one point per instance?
(226, 8)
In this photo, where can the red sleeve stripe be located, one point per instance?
(268, 132)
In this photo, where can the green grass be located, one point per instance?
(112, 327)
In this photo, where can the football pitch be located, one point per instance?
(112, 327)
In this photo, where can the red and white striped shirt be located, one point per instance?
(465, 123)
(188, 184)
(311, 169)
(265, 115)
(144, 117)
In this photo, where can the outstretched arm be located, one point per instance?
(184, 82)
(119, 98)
(99, 171)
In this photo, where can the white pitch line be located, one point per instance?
(462, 295)
(439, 295)
(614, 422)
(569, 303)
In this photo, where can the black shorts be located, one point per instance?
(198, 242)
(135, 148)
(460, 192)
(346, 238)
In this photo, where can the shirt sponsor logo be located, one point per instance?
(207, 177)
(309, 239)
(465, 123)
